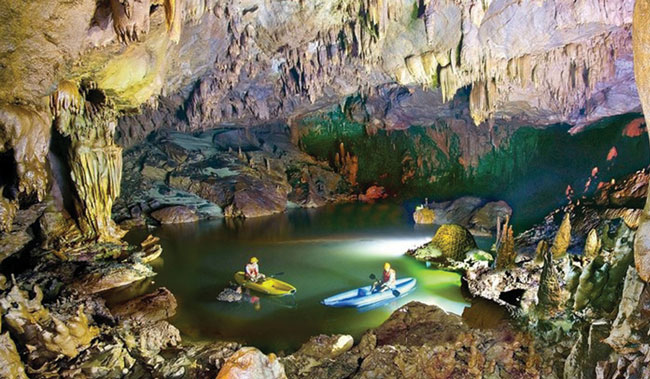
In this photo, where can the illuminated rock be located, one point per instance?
(251, 363)
(48, 335)
(453, 241)
(562, 238)
(95, 161)
(424, 215)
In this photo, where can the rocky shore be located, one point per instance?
(573, 313)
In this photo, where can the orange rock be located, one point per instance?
(374, 193)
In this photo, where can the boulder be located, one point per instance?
(230, 295)
(257, 201)
(250, 363)
(323, 357)
(176, 214)
(152, 307)
(451, 241)
(373, 193)
(485, 219)
(458, 211)
(424, 215)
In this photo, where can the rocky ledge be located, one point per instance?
(222, 173)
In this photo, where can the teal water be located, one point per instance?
(321, 252)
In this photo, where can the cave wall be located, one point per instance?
(198, 64)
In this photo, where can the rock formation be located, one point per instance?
(243, 109)
(641, 42)
(88, 122)
(506, 254)
(562, 238)
(450, 243)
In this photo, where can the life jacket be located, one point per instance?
(389, 275)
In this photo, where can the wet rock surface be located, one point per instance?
(177, 214)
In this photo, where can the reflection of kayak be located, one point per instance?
(269, 286)
(362, 297)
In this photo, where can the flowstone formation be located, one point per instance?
(85, 118)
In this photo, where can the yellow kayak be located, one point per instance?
(269, 286)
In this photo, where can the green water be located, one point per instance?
(321, 252)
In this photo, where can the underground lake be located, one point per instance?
(320, 251)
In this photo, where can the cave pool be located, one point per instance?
(320, 251)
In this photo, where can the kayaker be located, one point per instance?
(253, 271)
(388, 280)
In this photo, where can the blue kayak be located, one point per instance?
(362, 297)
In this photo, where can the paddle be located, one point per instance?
(277, 274)
(396, 293)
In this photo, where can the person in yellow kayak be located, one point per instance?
(253, 271)
(388, 280)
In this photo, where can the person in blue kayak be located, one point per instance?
(388, 280)
(252, 271)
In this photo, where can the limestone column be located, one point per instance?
(641, 48)
(87, 118)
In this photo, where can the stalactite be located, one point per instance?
(450, 83)
(174, 19)
(66, 98)
(8, 210)
(568, 73)
(130, 19)
(25, 133)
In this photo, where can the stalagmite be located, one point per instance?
(549, 295)
(540, 251)
(562, 238)
(592, 246)
(506, 253)
(47, 335)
